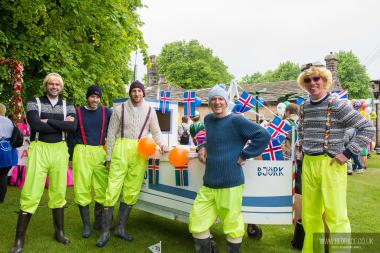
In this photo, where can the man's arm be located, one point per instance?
(258, 136)
(69, 124)
(364, 129)
(113, 128)
(34, 119)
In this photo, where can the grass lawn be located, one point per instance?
(148, 229)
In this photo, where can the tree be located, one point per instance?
(86, 41)
(352, 75)
(285, 71)
(249, 79)
(191, 65)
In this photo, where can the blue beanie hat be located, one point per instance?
(218, 90)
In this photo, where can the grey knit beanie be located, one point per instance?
(217, 90)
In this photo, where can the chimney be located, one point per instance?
(152, 71)
(162, 79)
(331, 64)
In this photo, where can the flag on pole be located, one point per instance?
(164, 101)
(153, 170)
(155, 248)
(244, 103)
(273, 151)
(182, 175)
(279, 129)
(189, 103)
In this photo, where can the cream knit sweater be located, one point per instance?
(134, 118)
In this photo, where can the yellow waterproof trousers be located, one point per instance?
(89, 171)
(323, 190)
(45, 159)
(211, 203)
(128, 169)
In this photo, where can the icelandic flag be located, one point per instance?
(164, 101)
(340, 94)
(244, 103)
(182, 175)
(153, 170)
(189, 103)
(273, 151)
(279, 129)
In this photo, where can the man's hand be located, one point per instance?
(108, 165)
(164, 149)
(340, 158)
(44, 120)
(70, 118)
(202, 155)
(240, 161)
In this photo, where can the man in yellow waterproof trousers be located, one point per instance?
(89, 158)
(49, 117)
(323, 122)
(129, 122)
(224, 153)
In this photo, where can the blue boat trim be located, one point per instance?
(270, 201)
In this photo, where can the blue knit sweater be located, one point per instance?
(225, 141)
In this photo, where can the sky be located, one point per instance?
(252, 35)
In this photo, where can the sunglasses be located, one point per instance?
(315, 79)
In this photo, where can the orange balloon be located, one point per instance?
(178, 157)
(146, 146)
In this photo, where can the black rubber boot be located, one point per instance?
(299, 235)
(106, 226)
(120, 231)
(58, 219)
(233, 247)
(22, 225)
(85, 215)
(202, 245)
(98, 216)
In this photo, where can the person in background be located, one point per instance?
(89, 158)
(49, 117)
(224, 153)
(292, 118)
(323, 122)
(184, 132)
(196, 126)
(8, 154)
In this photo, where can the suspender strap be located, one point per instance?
(64, 117)
(328, 123)
(81, 126)
(103, 123)
(122, 120)
(39, 115)
(146, 120)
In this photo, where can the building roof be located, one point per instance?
(274, 91)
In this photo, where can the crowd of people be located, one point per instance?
(103, 149)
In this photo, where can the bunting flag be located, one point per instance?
(153, 171)
(182, 175)
(273, 151)
(279, 129)
(189, 103)
(244, 103)
(164, 101)
(340, 94)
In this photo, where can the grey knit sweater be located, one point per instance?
(134, 118)
(342, 117)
